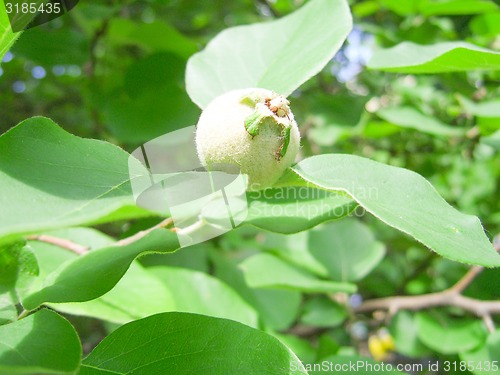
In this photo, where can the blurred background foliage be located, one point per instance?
(114, 70)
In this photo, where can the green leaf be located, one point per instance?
(295, 208)
(53, 46)
(151, 102)
(484, 357)
(277, 308)
(197, 292)
(346, 248)
(443, 57)
(18, 269)
(406, 201)
(411, 118)
(278, 55)
(7, 37)
(137, 295)
(181, 343)
(447, 336)
(323, 312)
(486, 24)
(456, 7)
(147, 35)
(268, 271)
(490, 108)
(43, 342)
(95, 273)
(404, 330)
(51, 179)
(294, 248)
(492, 140)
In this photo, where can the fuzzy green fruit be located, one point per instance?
(252, 129)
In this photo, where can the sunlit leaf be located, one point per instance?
(278, 55)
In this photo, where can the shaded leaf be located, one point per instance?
(43, 342)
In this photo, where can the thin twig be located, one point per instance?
(465, 281)
(127, 241)
(80, 249)
(488, 322)
(269, 7)
(60, 242)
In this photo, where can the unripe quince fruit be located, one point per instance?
(252, 129)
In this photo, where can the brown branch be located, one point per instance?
(60, 242)
(465, 281)
(448, 297)
(80, 249)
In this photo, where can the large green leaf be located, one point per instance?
(50, 179)
(43, 342)
(438, 58)
(268, 271)
(197, 292)
(7, 37)
(295, 209)
(404, 200)
(411, 118)
(95, 273)
(278, 55)
(181, 343)
(447, 336)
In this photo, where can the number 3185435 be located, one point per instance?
(32, 8)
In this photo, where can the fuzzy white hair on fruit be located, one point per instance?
(223, 140)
